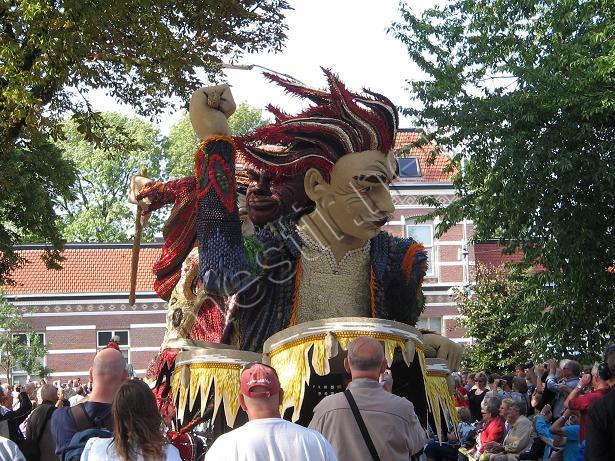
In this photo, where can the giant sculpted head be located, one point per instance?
(342, 146)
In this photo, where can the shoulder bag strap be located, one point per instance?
(82, 420)
(45, 421)
(361, 424)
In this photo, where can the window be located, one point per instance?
(409, 167)
(22, 338)
(423, 233)
(103, 338)
(430, 323)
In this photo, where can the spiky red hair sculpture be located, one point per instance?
(339, 123)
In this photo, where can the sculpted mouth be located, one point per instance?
(381, 222)
(262, 204)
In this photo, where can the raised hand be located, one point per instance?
(210, 107)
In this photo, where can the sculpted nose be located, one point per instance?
(263, 186)
(385, 203)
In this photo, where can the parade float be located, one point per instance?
(284, 261)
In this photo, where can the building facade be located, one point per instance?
(76, 310)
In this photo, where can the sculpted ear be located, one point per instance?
(315, 184)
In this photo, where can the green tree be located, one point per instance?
(19, 347)
(182, 141)
(34, 180)
(53, 53)
(492, 316)
(100, 211)
(523, 94)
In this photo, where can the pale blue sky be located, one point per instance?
(348, 36)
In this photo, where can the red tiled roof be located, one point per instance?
(429, 173)
(491, 253)
(99, 269)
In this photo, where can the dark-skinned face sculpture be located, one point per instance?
(270, 196)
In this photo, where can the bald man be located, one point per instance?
(107, 374)
(390, 420)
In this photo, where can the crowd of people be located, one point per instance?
(552, 411)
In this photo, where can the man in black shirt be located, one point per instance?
(600, 431)
(107, 374)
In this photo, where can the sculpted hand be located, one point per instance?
(210, 107)
(386, 379)
(444, 349)
(136, 184)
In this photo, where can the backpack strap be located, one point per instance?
(82, 420)
(361, 424)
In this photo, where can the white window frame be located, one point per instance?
(429, 319)
(122, 347)
(21, 373)
(431, 269)
(418, 167)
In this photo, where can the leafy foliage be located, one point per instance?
(492, 315)
(523, 94)
(182, 141)
(14, 352)
(33, 180)
(142, 53)
(100, 211)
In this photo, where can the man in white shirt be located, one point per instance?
(267, 435)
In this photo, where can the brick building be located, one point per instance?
(77, 309)
(451, 258)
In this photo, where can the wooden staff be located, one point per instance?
(136, 247)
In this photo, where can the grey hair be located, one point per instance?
(491, 405)
(364, 363)
(574, 366)
(519, 405)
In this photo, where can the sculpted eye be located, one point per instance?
(365, 190)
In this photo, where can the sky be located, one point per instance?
(348, 36)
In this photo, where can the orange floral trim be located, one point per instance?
(298, 276)
(150, 187)
(372, 292)
(408, 262)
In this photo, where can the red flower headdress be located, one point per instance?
(339, 123)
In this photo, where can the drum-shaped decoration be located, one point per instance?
(442, 408)
(205, 378)
(309, 358)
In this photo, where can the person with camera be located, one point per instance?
(591, 388)
(568, 380)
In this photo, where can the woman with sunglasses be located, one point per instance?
(476, 396)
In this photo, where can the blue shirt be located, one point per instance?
(63, 425)
(571, 449)
(557, 406)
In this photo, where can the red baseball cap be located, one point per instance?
(262, 376)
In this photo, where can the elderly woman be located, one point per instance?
(492, 429)
(517, 440)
